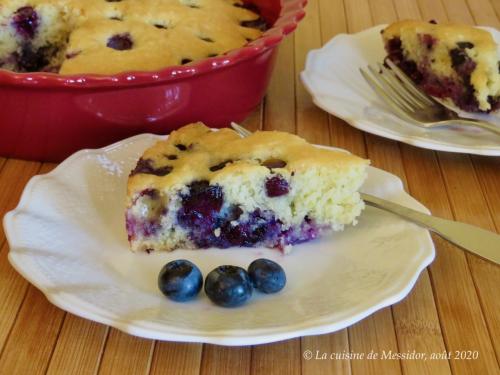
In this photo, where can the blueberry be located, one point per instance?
(26, 21)
(276, 186)
(146, 166)
(201, 204)
(220, 165)
(120, 42)
(228, 286)
(458, 57)
(428, 40)
(32, 60)
(274, 163)
(180, 280)
(180, 146)
(267, 276)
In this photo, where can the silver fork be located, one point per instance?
(410, 103)
(481, 242)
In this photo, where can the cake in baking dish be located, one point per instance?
(201, 188)
(448, 61)
(112, 36)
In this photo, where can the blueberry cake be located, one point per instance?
(112, 36)
(201, 188)
(452, 62)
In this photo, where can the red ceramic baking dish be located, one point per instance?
(45, 116)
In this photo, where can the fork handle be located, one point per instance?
(478, 241)
(480, 124)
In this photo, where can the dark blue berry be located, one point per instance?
(428, 40)
(464, 45)
(462, 63)
(458, 57)
(274, 163)
(180, 146)
(228, 286)
(146, 166)
(220, 165)
(259, 23)
(235, 235)
(180, 280)
(201, 204)
(25, 21)
(276, 186)
(120, 42)
(267, 276)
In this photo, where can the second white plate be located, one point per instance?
(332, 77)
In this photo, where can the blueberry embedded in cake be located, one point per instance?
(201, 189)
(112, 36)
(454, 62)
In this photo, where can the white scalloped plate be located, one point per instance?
(332, 77)
(67, 237)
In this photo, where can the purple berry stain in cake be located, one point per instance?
(33, 60)
(428, 40)
(211, 223)
(306, 231)
(394, 50)
(395, 54)
(201, 205)
(277, 186)
(138, 227)
(120, 42)
(148, 222)
(461, 62)
(259, 227)
(26, 22)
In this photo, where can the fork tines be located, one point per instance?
(396, 89)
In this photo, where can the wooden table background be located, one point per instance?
(455, 304)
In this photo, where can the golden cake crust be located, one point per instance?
(447, 33)
(208, 148)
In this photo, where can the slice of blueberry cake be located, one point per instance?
(201, 189)
(112, 36)
(453, 62)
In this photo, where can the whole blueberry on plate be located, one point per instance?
(228, 286)
(267, 276)
(180, 280)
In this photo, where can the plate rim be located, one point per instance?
(148, 329)
(365, 125)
